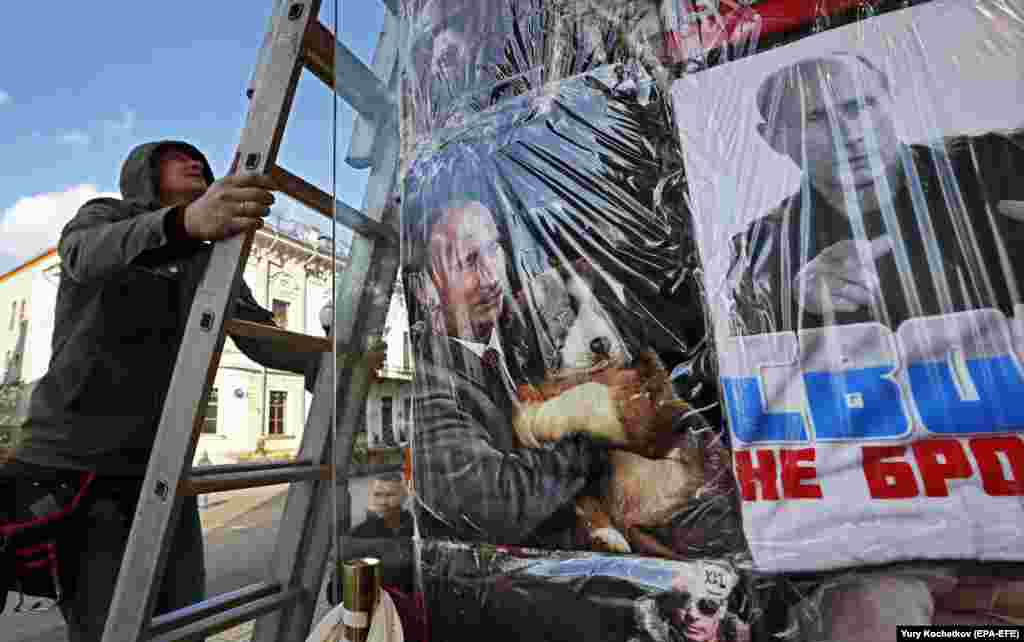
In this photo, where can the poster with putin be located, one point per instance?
(859, 208)
(544, 266)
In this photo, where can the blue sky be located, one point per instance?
(84, 82)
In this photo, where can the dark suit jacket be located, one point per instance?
(955, 190)
(472, 480)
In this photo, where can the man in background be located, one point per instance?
(386, 515)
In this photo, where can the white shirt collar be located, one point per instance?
(478, 348)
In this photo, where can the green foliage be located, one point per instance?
(13, 406)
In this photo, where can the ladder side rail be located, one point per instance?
(368, 279)
(159, 503)
(364, 130)
(308, 566)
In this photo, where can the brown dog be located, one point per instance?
(654, 474)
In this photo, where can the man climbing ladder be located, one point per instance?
(129, 273)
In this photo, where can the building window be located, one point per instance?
(210, 420)
(387, 423)
(406, 351)
(278, 402)
(280, 310)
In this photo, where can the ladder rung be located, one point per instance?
(233, 617)
(213, 606)
(217, 469)
(283, 473)
(296, 340)
(325, 57)
(355, 471)
(315, 198)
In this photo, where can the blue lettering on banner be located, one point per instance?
(854, 404)
(751, 420)
(998, 405)
(955, 396)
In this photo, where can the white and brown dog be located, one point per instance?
(598, 386)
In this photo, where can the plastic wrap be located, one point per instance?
(862, 246)
(555, 315)
(566, 385)
(857, 206)
(496, 593)
(551, 229)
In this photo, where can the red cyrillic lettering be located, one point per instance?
(993, 477)
(935, 472)
(888, 479)
(793, 474)
(749, 476)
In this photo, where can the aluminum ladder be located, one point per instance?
(284, 603)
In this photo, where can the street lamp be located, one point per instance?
(327, 318)
(203, 500)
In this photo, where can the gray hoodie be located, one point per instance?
(127, 282)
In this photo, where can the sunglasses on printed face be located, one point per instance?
(706, 606)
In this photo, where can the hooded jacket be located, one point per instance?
(128, 277)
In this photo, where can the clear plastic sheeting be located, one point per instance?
(857, 204)
(562, 399)
(551, 232)
(590, 262)
(857, 198)
(495, 593)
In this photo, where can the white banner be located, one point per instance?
(859, 207)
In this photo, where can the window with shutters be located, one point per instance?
(210, 419)
(278, 403)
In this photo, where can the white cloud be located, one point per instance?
(33, 224)
(4, 97)
(74, 137)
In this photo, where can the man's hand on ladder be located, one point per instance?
(232, 205)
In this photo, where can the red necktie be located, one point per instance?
(491, 358)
